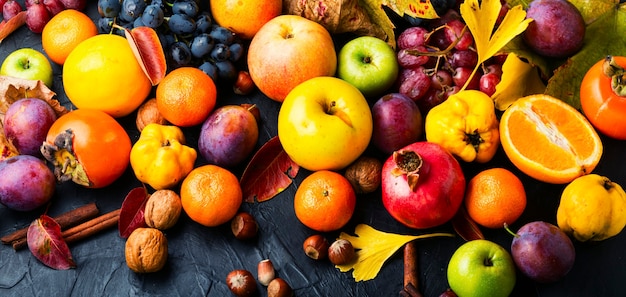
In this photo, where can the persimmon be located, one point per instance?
(603, 96)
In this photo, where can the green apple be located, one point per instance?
(481, 268)
(368, 63)
(324, 123)
(28, 63)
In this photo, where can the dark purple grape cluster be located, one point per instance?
(186, 30)
(437, 59)
(38, 12)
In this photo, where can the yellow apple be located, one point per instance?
(288, 50)
(325, 123)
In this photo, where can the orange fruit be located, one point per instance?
(245, 17)
(495, 196)
(211, 195)
(549, 140)
(64, 32)
(324, 201)
(186, 96)
(102, 73)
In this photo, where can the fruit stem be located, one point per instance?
(617, 74)
(506, 227)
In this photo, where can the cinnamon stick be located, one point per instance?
(65, 220)
(411, 271)
(83, 230)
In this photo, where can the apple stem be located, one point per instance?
(506, 227)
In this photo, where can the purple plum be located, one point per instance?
(228, 135)
(26, 124)
(543, 252)
(397, 122)
(27, 183)
(557, 30)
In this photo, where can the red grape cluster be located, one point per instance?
(437, 60)
(38, 12)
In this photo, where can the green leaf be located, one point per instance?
(604, 36)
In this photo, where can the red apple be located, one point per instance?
(287, 51)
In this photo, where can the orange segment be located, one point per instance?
(549, 140)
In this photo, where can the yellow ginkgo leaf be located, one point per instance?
(481, 21)
(519, 79)
(374, 248)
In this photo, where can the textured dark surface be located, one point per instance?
(200, 257)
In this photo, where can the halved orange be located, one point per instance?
(549, 140)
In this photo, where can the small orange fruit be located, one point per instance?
(549, 140)
(64, 32)
(495, 196)
(324, 201)
(102, 73)
(211, 195)
(186, 96)
(245, 17)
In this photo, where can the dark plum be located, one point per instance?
(228, 136)
(397, 122)
(543, 252)
(557, 29)
(27, 183)
(26, 124)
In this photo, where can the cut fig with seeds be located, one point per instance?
(148, 51)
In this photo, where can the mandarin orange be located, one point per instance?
(64, 32)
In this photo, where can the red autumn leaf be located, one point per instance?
(132, 211)
(7, 27)
(269, 172)
(145, 44)
(46, 243)
(465, 226)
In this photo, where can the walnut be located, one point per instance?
(146, 250)
(149, 113)
(364, 174)
(163, 209)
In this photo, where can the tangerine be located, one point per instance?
(102, 73)
(549, 140)
(324, 201)
(245, 18)
(211, 195)
(186, 96)
(494, 197)
(64, 32)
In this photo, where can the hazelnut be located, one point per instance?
(254, 109)
(341, 252)
(278, 287)
(266, 272)
(149, 113)
(241, 283)
(364, 174)
(244, 226)
(316, 247)
(244, 83)
(163, 209)
(146, 250)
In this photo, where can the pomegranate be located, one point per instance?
(422, 185)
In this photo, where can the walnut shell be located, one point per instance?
(163, 209)
(146, 250)
(149, 113)
(364, 174)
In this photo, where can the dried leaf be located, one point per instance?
(415, 8)
(7, 27)
(46, 243)
(145, 44)
(519, 79)
(132, 211)
(269, 172)
(374, 248)
(481, 21)
(465, 226)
